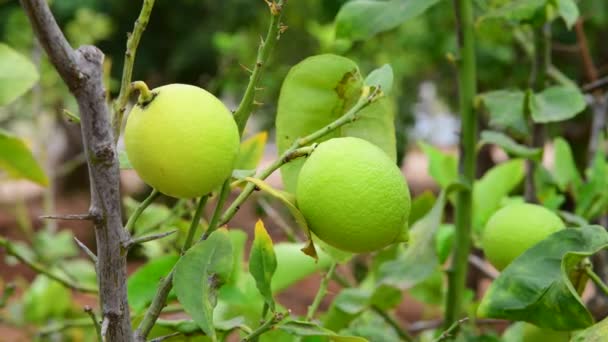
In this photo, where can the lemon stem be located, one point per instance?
(145, 95)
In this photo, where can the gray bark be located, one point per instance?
(81, 70)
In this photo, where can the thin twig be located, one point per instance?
(39, 268)
(95, 321)
(146, 238)
(481, 265)
(120, 103)
(448, 333)
(268, 325)
(130, 226)
(321, 293)
(278, 219)
(213, 223)
(195, 222)
(595, 278)
(242, 113)
(166, 337)
(86, 250)
(388, 318)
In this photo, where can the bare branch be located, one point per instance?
(82, 71)
(69, 217)
(166, 337)
(91, 314)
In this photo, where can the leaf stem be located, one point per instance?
(468, 139)
(43, 269)
(268, 325)
(596, 279)
(388, 318)
(120, 104)
(321, 293)
(140, 209)
(194, 224)
(243, 111)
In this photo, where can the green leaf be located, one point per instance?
(419, 260)
(143, 283)
(17, 159)
(46, 299)
(506, 110)
(442, 166)
(198, 276)
(17, 74)
(568, 10)
(123, 160)
(510, 146)
(382, 78)
(303, 328)
(536, 287)
(238, 239)
(490, 190)
(557, 103)
(516, 10)
(251, 152)
(421, 205)
(595, 333)
(362, 19)
(565, 172)
(318, 91)
(52, 247)
(263, 263)
(444, 240)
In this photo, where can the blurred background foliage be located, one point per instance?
(211, 43)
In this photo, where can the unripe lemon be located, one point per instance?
(183, 142)
(352, 195)
(515, 228)
(532, 333)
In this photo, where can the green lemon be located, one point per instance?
(515, 228)
(532, 333)
(184, 142)
(353, 196)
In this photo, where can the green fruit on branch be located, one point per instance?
(514, 229)
(353, 196)
(181, 140)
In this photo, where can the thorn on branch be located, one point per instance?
(91, 314)
(166, 337)
(70, 217)
(127, 245)
(86, 250)
(246, 68)
(104, 327)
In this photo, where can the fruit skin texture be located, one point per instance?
(515, 228)
(352, 195)
(184, 142)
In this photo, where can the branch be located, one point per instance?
(82, 71)
(120, 104)
(195, 222)
(135, 241)
(242, 113)
(266, 326)
(130, 226)
(596, 279)
(165, 337)
(69, 217)
(481, 265)
(320, 293)
(388, 318)
(448, 334)
(91, 314)
(86, 250)
(43, 269)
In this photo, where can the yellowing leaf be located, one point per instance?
(263, 263)
(18, 161)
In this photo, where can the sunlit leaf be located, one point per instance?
(17, 75)
(568, 10)
(251, 152)
(557, 103)
(443, 167)
(509, 145)
(565, 172)
(18, 161)
(506, 110)
(382, 78)
(263, 262)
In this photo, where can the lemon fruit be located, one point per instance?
(183, 142)
(532, 333)
(352, 195)
(515, 228)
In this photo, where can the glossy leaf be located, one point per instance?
(263, 263)
(18, 161)
(17, 75)
(506, 110)
(510, 146)
(198, 276)
(143, 283)
(557, 103)
(362, 19)
(251, 152)
(303, 328)
(443, 167)
(382, 78)
(490, 190)
(419, 260)
(565, 172)
(536, 287)
(318, 91)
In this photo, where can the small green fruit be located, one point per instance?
(353, 196)
(184, 142)
(515, 228)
